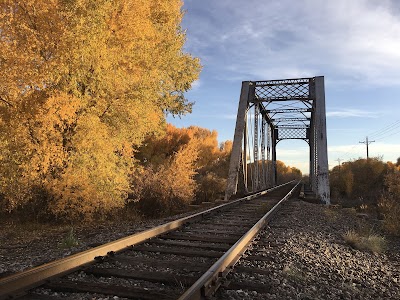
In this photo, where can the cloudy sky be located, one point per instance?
(354, 44)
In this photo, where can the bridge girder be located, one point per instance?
(300, 104)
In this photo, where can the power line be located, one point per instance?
(388, 132)
(388, 135)
(378, 135)
(349, 152)
(386, 129)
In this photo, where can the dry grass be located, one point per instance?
(350, 211)
(294, 273)
(371, 242)
(70, 240)
(331, 214)
(390, 208)
(265, 207)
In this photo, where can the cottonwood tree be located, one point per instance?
(179, 167)
(359, 180)
(165, 181)
(83, 82)
(287, 173)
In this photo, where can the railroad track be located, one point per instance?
(183, 259)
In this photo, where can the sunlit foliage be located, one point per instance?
(286, 173)
(213, 166)
(166, 180)
(389, 202)
(359, 179)
(370, 183)
(183, 165)
(83, 83)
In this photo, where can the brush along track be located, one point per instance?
(184, 259)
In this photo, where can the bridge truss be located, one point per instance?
(271, 111)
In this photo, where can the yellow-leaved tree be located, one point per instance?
(83, 82)
(166, 182)
(181, 166)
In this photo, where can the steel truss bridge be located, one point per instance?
(271, 111)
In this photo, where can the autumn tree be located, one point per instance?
(83, 83)
(166, 186)
(165, 182)
(179, 167)
(212, 165)
(284, 173)
(389, 202)
(370, 183)
(287, 173)
(360, 180)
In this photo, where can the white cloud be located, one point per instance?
(354, 44)
(352, 41)
(196, 84)
(389, 151)
(227, 116)
(218, 116)
(294, 153)
(345, 149)
(352, 113)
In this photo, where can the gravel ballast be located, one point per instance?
(28, 245)
(306, 257)
(304, 254)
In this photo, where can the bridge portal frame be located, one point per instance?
(303, 118)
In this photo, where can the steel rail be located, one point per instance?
(207, 284)
(18, 283)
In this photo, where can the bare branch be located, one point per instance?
(6, 102)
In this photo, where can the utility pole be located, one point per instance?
(339, 160)
(366, 142)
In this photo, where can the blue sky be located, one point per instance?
(354, 44)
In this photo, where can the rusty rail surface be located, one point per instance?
(17, 284)
(213, 277)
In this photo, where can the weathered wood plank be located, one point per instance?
(191, 244)
(241, 269)
(210, 238)
(39, 297)
(218, 230)
(114, 290)
(176, 264)
(161, 277)
(180, 251)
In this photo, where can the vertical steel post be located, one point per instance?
(244, 155)
(274, 166)
(321, 140)
(234, 165)
(256, 177)
(269, 165)
(312, 140)
(312, 176)
(263, 168)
